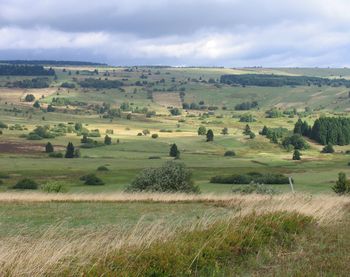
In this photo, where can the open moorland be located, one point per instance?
(165, 171)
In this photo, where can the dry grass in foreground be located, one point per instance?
(207, 246)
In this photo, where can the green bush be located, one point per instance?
(230, 153)
(154, 136)
(56, 155)
(170, 177)
(54, 187)
(92, 180)
(102, 168)
(26, 184)
(3, 125)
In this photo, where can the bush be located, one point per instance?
(3, 125)
(154, 136)
(1, 182)
(102, 168)
(171, 177)
(252, 177)
(230, 153)
(328, 149)
(26, 184)
(255, 188)
(54, 187)
(154, 158)
(92, 180)
(56, 155)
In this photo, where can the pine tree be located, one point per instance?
(297, 127)
(296, 155)
(174, 151)
(49, 148)
(341, 185)
(108, 140)
(264, 131)
(69, 151)
(210, 135)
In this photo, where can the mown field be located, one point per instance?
(99, 230)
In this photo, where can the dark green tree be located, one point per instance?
(69, 151)
(36, 104)
(224, 131)
(108, 140)
(210, 135)
(247, 130)
(296, 155)
(264, 131)
(342, 185)
(49, 148)
(174, 151)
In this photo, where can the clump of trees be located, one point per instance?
(246, 106)
(25, 70)
(170, 177)
(26, 184)
(100, 84)
(30, 83)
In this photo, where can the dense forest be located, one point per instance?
(271, 80)
(326, 130)
(30, 83)
(97, 83)
(25, 70)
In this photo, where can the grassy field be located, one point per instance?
(101, 230)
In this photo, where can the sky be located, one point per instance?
(230, 33)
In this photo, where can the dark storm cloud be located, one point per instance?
(207, 32)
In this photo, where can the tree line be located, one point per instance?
(271, 80)
(25, 70)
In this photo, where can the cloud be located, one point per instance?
(206, 32)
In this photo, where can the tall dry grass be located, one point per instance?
(57, 252)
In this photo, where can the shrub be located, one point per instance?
(92, 180)
(170, 177)
(3, 125)
(29, 98)
(154, 136)
(154, 158)
(26, 184)
(54, 186)
(1, 182)
(202, 131)
(102, 168)
(251, 177)
(328, 148)
(230, 153)
(56, 155)
(255, 188)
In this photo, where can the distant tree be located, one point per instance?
(296, 155)
(108, 140)
(274, 138)
(49, 148)
(29, 98)
(210, 135)
(174, 151)
(175, 111)
(342, 185)
(50, 108)
(84, 139)
(202, 131)
(247, 130)
(128, 116)
(146, 132)
(328, 148)
(77, 153)
(78, 126)
(264, 131)
(69, 151)
(224, 131)
(251, 135)
(36, 104)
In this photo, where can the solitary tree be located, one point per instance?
(247, 130)
(69, 151)
(202, 131)
(224, 131)
(49, 148)
(264, 131)
(108, 140)
(210, 135)
(341, 186)
(174, 152)
(296, 155)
